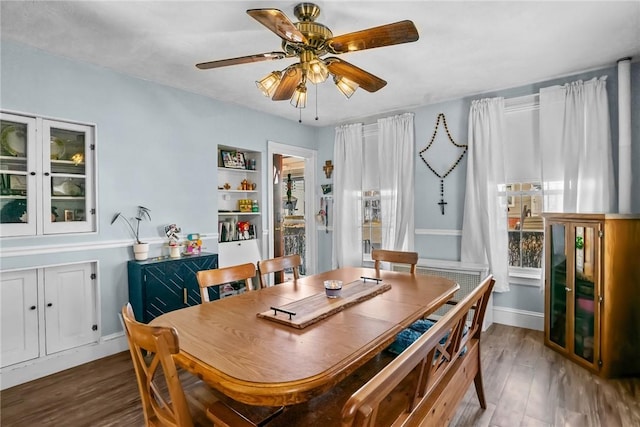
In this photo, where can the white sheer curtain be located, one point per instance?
(347, 208)
(395, 152)
(575, 140)
(484, 226)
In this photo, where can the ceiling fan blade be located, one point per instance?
(290, 79)
(267, 56)
(385, 35)
(365, 80)
(278, 22)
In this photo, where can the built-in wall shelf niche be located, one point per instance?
(239, 194)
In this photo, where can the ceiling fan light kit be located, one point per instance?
(346, 86)
(269, 83)
(310, 42)
(299, 97)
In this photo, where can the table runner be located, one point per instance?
(302, 313)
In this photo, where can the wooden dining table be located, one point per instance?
(257, 361)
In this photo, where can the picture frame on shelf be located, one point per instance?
(18, 182)
(17, 185)
(233, 159)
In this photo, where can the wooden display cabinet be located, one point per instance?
(592, 290)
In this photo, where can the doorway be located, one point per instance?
(291, 191)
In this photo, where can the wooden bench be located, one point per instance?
(426, 382)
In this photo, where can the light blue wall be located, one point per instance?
(325, 152)
(156, 146)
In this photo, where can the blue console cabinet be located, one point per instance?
(157, 286)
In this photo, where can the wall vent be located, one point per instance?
(467, 275)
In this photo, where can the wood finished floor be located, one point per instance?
(526, 384)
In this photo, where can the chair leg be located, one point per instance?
(478, 383)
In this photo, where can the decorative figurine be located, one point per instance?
(327, 168)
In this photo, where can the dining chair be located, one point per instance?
(397, 257)
(222, 276)
(275, 265)
(164, 402)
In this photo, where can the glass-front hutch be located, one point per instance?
(574, 288)
(46, 176)
(591, 290)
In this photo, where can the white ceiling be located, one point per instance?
(465, 47)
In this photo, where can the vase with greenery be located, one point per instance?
(140, 249)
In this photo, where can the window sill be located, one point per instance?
(525, 276)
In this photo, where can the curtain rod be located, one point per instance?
(520, 103)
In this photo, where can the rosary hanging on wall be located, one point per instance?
(442, 203)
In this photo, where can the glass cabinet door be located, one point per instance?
(68, 177)
(558, 285)
(17, 175)
(585, 289)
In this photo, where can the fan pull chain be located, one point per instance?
(300, 111)
(316, 102)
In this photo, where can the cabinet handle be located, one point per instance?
(567, 289)
(33, 307)
(50, 305)
(32, 173)
(184, 295)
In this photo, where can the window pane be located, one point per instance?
(371, 224)
(532, 244)
(526, 228)
(514, 248)
(522, 152)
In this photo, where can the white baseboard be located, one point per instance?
(33, 369)
(519, 318)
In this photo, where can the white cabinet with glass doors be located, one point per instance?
(47, 176)
(47, 310)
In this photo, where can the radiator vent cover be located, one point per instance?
(467, 275)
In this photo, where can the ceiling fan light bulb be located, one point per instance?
(269, 83)
(299, 97)
(346, 86)
(318, 72)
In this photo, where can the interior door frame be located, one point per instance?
(310, 162)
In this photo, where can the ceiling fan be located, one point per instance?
(311, 41)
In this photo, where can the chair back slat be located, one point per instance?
(396, 257)
(151, 350)
(222, 276)
(274, 265)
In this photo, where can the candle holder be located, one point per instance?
(333, 288)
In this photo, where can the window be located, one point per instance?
(523, 189)
(526, 228)
(371, 218)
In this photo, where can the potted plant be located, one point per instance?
(140, 249)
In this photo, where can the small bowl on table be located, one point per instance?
(333, 288)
